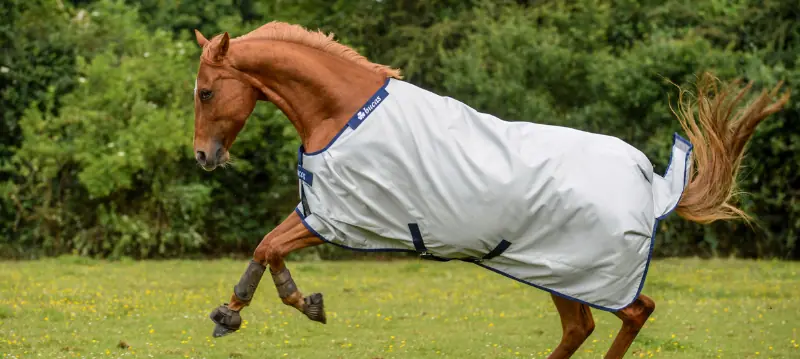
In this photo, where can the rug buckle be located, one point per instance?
(428, 256)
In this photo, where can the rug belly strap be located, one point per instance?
(284, 282)
(248, 283)
(419, 245)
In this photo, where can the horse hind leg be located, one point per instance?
(577, 324)
(633, 318)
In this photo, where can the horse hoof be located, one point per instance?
(227, 321)
(220, 331)
(315, 308)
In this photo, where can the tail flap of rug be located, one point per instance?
(667, 190)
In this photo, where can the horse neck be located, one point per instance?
(318, 92)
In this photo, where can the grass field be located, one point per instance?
(79, 308)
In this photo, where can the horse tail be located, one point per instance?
(719, 133)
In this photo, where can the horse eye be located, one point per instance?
(205, 95)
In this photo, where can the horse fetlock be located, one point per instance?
(227, 321)
(294, 300)
(314, 308)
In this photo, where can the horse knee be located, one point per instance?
(260, 254)
(579, 332)
(581, 328)
(636, 314)
(647, 303)
(589, 327)
(268, 253)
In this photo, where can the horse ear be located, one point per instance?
(201, 40)
(222, 47)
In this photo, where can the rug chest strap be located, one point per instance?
(306, 209)
(306, 176)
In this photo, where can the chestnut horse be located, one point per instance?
(319, 84)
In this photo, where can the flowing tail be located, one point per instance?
(719, 132)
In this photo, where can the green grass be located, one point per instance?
(79, 308)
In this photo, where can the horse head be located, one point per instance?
(223, 101)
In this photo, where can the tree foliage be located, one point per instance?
(97, 111)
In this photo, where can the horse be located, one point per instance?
(387, 166)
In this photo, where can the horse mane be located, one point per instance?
(281, 31)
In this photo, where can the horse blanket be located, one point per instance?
(567, 211)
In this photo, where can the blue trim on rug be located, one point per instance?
(315, 233)
(401, 250)
(355, 121)
(676, 137)
(562, 295)
(369, 107)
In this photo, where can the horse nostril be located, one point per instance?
(219, 152)
(201, 157)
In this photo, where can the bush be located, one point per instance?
(96, 134)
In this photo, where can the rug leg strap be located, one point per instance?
(248, 283)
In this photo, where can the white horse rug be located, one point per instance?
(570, 212)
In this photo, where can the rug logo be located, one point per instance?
(305, 175)
(367, 109)
(371, 106)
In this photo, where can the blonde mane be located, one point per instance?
(281, 31)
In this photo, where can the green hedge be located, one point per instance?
(97, 114)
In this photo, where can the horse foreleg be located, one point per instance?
(633, 318)
(289, 236)
(273, 252)
(577, 324)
